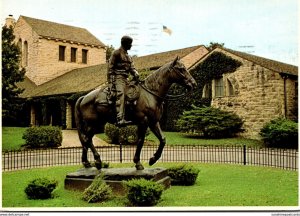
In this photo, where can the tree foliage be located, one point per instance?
(12, 73)
(213, 45)
(109, 51)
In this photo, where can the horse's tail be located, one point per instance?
(78, 115)
(79, 121)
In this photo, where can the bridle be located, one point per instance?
(168, 96)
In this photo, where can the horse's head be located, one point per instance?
(181, 75)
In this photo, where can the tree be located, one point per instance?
(213, 45)
(12, 73)
(109, 51)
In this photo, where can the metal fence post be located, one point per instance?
(121, 159)
(244, 154)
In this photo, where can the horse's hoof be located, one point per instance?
(98, 165)
(152, 161)
(139, 167)
(86, 164)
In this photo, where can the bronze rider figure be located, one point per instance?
(120, 66)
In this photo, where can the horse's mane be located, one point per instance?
(156, 78)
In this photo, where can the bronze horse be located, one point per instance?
(92, 116)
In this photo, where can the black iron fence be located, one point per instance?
(280, 158)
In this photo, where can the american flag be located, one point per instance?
(167, 30)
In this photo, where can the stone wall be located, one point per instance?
(258, 95)
(43, 54)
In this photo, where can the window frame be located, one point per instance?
(25, 53)
(219, 87)
(84, 56)
(73, 55)
(230, 88)
(61, 53)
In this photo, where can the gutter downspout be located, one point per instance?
(284, 76)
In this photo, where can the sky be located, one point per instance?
(266, 28)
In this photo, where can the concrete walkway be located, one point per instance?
(70, 139)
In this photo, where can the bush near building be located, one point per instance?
(126, 135)
(210, 122)
(44, 136)
(280, 133)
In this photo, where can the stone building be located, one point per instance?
(51, 49)
(258, 91)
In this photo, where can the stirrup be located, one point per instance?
(123, 123)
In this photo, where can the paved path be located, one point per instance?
(70, 139)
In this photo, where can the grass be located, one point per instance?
(12, 138)
(216, 185)
(174, 138)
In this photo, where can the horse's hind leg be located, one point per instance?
(98, 162)
(155, 128)
(84, 157)
(86, 141)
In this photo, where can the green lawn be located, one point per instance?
(216, 185)
(12, 138)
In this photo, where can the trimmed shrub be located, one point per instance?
(105, 164)
(210, 122)
(142, 192)
(125, 135)
(280, 133)
(112, 132)
(44, 136)
(40, 188)
(183, 175)
(98, 191)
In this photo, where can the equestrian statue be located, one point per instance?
(142, 100)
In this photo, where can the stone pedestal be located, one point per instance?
(82, 178)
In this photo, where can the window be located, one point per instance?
(207, 91)
(296, 90)
(62, 50)
(230, 88)
(20, 45)
(84, 56)
(219, 87)
(25, 56)
(73, 54)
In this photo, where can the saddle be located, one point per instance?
(105, 98)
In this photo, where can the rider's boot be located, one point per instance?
(122, 122)
(121, 117)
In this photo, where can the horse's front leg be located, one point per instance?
(141, 138)
(155, 128)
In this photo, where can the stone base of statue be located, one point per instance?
(114, 177)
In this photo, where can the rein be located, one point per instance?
(168, 96)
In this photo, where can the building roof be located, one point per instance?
(156, 60)
(267, 63)
(63, 32)
(88, 78)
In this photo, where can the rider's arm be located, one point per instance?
(133, 71)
